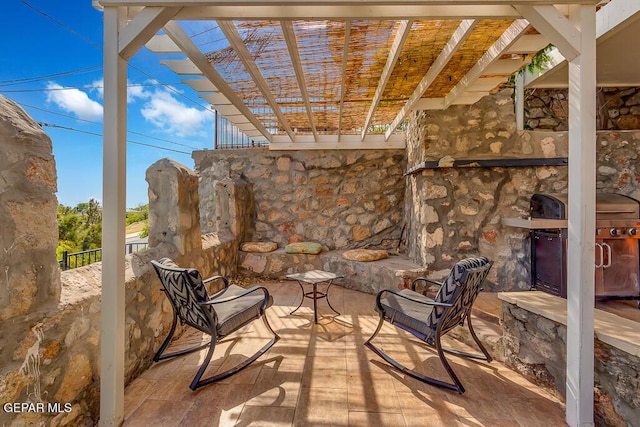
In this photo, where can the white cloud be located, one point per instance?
(133, 90)
(74, 101)
(167, 113)
(98, 86)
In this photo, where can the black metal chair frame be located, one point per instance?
(453, 313)
(206, 321)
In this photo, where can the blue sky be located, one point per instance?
(52, 66)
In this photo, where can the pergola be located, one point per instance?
(346, 74)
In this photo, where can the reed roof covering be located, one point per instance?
(318, 80)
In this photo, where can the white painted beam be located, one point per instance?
(486, 84)
(233, 36)
(216, 99)
(617, 15)
(427, 104)
(394, 53)
(245, 126)
(336, 3)
(528, 43)
(142, 28)
(610, 21)
(183, 67)
(332, 142)
(469, 98)
(555, 26)
(162, 43)
(515, 30)
(354, 12)
(343, 77)
(555, 59)
(201, 85)
(339, 9)
(459, 36)
(112, 333)
(581, 222)
(227, 110)
(185, 43)
(506, 67)
(255, 134)
(294, 55)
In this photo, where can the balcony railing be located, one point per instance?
(79, 259)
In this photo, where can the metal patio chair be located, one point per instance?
(218, 316)
(430, 319)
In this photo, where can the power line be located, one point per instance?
(54, 89)
(92, 43)
(49, 76)
(215, 27)
(169, 87)
(71, 30)
(97, 123)
(43, 124)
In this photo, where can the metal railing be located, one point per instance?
(80, 259)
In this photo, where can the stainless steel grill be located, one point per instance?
(617, 258)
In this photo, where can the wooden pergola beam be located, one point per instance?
(459, 36)
(515, 30)
(185, 43)
(142, 28)
(294, 53)
(233, 36)
(343, 77)
(394, 53)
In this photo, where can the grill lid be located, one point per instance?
(608, 206)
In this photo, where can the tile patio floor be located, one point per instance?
(322, 375)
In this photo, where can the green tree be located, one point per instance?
(140, 213)
(79, 228)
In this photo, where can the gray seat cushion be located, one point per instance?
(236, 313)
(408, 313)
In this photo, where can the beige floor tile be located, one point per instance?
(276, 387)
(479, 422)
(325, 378)
(322, 407)
(137, 392)
(327, 362)
(372, 394)
(161, 370)
(369, 419)
(323, 375)
(481, 407)
(161, 413)
(218, 405)
(266, 416)
(536, 412)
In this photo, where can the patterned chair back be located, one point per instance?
(460, 289)
(185, 289)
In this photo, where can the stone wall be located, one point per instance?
(617, 109)
(536, 347)
(455, 212)
(339, 198)
(50, 321)
(28, 230)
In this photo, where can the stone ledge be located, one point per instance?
(394, 272)
(618, 332)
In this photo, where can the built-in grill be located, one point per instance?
(617, 251)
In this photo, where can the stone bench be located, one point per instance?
(395, 272)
